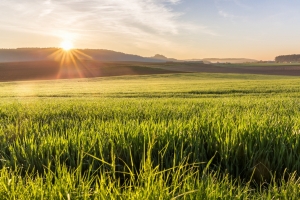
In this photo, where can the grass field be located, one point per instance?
(175, 136)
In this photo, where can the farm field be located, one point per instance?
(162, 136)
(52, 70)
(288, 69)
(80, 68)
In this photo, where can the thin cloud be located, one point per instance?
(135, 20)
(242, 5)
(221, 6)
(226, 15)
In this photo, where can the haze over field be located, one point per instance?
(181, 29)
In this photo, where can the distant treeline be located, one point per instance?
(288, 58)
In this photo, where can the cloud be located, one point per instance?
(149, 15)
(138, 21)
(227, 7)
(173, 1)
(242, 5)
(226, 15)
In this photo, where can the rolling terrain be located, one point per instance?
(49, 70)
(264, 69)
(54, 63)
(43, 54)
(81, 68)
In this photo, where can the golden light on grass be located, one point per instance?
(25, 89)
(66, 45)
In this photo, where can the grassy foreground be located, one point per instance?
(183, 136)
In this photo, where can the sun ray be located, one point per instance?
(62, 61)
(73, 63)
(82, 63)
(83, 54)
(78, 71)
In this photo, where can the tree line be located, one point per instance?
(288, 58)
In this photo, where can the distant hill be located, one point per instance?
(228, 60)
(164, 58)
(44, 54)
(26, 54)
(50, 54)
(108, 55)
(197, 61)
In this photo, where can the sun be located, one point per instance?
(66, 45)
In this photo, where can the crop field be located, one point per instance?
(169, 136)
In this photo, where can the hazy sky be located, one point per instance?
(184, 29)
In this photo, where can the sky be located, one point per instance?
(182, 29)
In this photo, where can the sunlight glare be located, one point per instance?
(66, 45)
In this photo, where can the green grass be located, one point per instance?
(179, 85)
(181, 136)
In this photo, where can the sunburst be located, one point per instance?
(71, 64)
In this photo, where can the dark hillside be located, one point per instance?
(47, 70)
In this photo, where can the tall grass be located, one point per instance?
(229, 147)
(124, 142)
